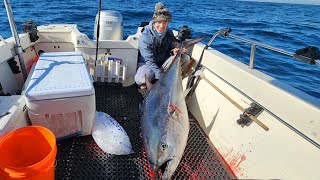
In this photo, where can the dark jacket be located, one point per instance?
(154, 52)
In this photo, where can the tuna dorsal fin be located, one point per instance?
(148, 83)
(189, 43)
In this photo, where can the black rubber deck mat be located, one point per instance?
(81, 158)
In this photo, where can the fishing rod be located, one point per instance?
(18, 48)
(98, 33)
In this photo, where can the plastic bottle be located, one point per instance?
(110, 69)
(117, 70)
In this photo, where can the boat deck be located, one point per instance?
(81, 158)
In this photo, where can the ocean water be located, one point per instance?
(285, 26)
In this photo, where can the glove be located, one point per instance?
(157, 75)
(154, 81)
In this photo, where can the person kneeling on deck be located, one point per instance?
(156, 50)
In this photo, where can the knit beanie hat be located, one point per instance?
(161, 13)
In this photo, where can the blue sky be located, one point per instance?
(316, 2)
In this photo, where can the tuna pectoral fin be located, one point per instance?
(189, 43)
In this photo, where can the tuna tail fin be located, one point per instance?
(189, 43)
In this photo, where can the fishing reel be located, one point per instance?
(184, 33)
(31, 28)
(308, 54)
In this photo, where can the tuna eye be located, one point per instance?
(164, 146)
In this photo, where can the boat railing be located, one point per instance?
(309, 54)
(253, 49)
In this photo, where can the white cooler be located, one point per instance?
(60, 95)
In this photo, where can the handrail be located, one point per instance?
(263, 45)
(253, 49)
(306, 56)
(309, 54)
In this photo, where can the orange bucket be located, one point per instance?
(28, 153)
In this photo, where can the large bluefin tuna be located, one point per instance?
(165, 122)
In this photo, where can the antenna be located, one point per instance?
(98, 33)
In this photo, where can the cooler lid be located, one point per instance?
(59, 75)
